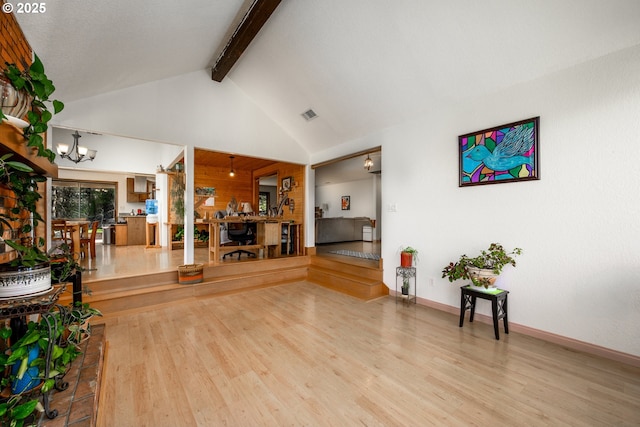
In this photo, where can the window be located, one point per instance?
(83, 200)
(263, 203)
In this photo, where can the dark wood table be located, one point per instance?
(498, 299)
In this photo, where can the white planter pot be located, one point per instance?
(14, 103)
(482, 277)
(24, 281)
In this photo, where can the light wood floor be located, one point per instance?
(121, 261)
(302, 355)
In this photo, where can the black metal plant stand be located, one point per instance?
(408, 275)
(19, 308)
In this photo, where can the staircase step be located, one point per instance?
(117, 300)
(360, 282)
(117, 295)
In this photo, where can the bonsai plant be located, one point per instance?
(407, 256)
(35, 83)
(483, 269)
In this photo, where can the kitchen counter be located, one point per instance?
(133, 232)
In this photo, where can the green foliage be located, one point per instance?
(495, 258)
(177, 197)
(35, 82)
(64, 263)
(200, 235)
(410, 250)
(78, 324)
(82, 201)
(24, 182)
(13, 413)
(71, 326)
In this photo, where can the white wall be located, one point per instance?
(361, 193)
(579, 276)
(189, 110)
(117, 154)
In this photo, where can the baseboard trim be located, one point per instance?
(567, 342)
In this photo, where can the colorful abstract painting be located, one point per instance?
(504, 153)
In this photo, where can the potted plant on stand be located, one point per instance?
(29, 270)
(407, 256)
(483, 269)
(29, 264)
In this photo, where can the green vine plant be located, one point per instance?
(495, 258)
(24, 183)
(177, 197)
(35, 82)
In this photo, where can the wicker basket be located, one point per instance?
(189, 274)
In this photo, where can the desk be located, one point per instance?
(266, 237)
(498, 300)
(78, 228)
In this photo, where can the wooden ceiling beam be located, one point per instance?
(253, 21)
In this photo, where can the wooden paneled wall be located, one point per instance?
(284, 170)
(239, 186)
(243, 186)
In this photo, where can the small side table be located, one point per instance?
(407, 274)
(153, 235)
(498, 300)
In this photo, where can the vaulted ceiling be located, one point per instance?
(361, 65)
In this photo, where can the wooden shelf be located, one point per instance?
(12, 141)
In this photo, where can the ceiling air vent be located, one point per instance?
(309, 115)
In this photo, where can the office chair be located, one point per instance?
(242, 232)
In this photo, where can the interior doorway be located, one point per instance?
(356, 178)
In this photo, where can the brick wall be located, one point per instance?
(14, 47)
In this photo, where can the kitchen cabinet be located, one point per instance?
(133, 197)
(121, 234)
(136, 230)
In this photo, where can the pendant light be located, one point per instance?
(232, 172)
(368, 163)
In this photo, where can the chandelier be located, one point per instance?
(77, 153)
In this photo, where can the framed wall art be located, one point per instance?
(506, 153)
(286, 184)
(346, 203)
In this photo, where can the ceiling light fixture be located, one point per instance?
(77, 153)
(232, 172)
(368, 163)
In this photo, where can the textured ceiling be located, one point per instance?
(362, 65)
